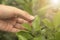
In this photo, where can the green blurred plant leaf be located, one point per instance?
(56, 19)
(27, 26)
(48, 23)
(26, 5)
(36, 24)
(24, 35)
(57, 36)
(21, 38)
(38, 38)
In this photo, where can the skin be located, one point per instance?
(11, 18)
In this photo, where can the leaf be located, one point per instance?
(57, 36)
(56, 19)
(26, 5)
(38, 38)
(24, 35)
(27, 8)
(1, 1)
(20, 1)
(36, 24)
(21, 37)
(47, 23)
(27, 26)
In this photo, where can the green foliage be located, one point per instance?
(57, 36)
(37, 38)
(36, 23)
(52, 30)
(27, 26)
(47, 23)
(49, 30)
(34, 33)
(56, 19)
(24, 35)
(25, 5)
(7, 36)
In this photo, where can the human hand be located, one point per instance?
(11, 18)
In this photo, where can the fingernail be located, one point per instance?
(32, 18)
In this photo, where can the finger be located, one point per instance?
(14, 30)
(24, 14)
(19, 26)
(7, 27)
(11, 21)
(21, 21)
(10, 28)
(7, 12)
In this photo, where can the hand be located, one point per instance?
(11, 18)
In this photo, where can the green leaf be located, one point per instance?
(36, 23)
(1, 1)
(57, 36)
(24, 35)
(21, 37)
(20, 1)
(56, 19)
(26, 5)
(27, 26)
(38, 38)
(47, 23)
(27, 8)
